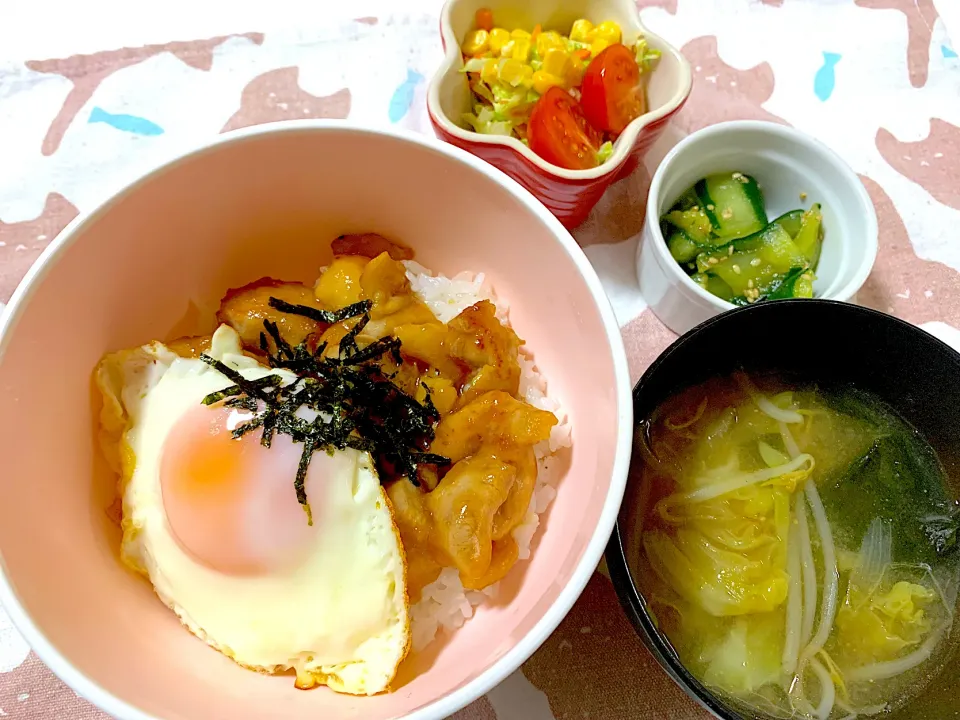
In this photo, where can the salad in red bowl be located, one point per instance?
(567, 97)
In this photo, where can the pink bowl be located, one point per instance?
(568, 194)
(152, 262)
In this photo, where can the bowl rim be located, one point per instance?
(625, 142)
(815, 148)
(628, 593)
(593, 551)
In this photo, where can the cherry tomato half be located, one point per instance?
(559, 132)
(611, 93)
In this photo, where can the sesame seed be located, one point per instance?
(736, 269)
(726, 213)
(712, 261)
(710, 206)
(803, 196)
(755, 262)
(737, 175)
(750, 284)
(730, 250)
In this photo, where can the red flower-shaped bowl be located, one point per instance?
(568, 194)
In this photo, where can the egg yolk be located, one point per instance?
(231, 502)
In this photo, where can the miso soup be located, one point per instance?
(801, 547)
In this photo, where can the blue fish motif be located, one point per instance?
(126, 123)
(825, 79)
(403, 96)
(948, 52)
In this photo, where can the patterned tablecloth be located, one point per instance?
(91, 101)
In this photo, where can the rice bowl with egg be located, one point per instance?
(273, 183)
(204, 527)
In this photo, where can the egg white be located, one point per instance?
(338, 617)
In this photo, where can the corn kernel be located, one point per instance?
(555, 62)
(490, 71)
(518, 33)
(507, 50)
(544, 81)
(497, 38)
(608, 31)
(547, 40)
(476, 42)
(511, 72)
(521, 49)
(598, 46)
(526, 76)
(582, 31)
(574, 75)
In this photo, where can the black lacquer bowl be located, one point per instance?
(829, 343)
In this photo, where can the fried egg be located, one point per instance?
(215, 524)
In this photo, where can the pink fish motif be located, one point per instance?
(721, 92)
(931, 162)
(277, 95)
(920, 16)
(87, 72)
(901, 283)
(22, 242)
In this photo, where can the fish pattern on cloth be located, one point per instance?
(81, 113)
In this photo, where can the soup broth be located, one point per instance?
(800, 547)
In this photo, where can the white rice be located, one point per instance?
(445, 604)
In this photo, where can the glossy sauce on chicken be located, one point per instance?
(461, 515)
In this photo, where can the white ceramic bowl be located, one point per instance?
(786, 163)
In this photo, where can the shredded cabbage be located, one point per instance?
(748, 657)
(885, 623)
(884, 613)
(605, 151)
(730, 557)
(646, 56)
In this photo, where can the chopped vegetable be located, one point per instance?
(509, 71)
(719, 233)
(484, 19)
(612, 93)
(559, 132)
(809, 238)
(682, 248)
(733, 203)
(694, 222)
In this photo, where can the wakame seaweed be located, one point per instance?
(898, 479)
(356, 404)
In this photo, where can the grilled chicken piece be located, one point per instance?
(495, 419)
(245, 308)
(370, 245)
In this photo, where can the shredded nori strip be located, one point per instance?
(324, 316)
(356, 403)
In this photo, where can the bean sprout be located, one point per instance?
(831, 579)
(791, 645)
